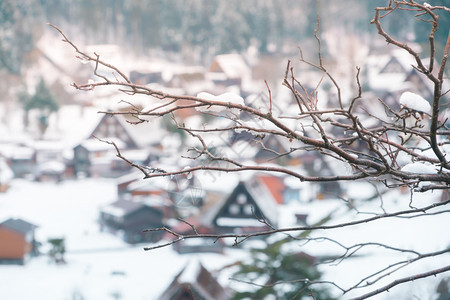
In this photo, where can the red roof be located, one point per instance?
(275, 185)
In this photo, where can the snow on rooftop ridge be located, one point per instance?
(416, 102)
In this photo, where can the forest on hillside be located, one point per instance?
(202, 28)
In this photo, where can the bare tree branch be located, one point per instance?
(403, 280)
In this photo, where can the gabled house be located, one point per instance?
(75, 126)
(421, 85)
(195, 282)
(392, 74)
(395, 65)
(129, 218)
(387, 73)
(92, 156)
(249, 207)
(17, 241)
(110, 126)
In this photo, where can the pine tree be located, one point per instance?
(281, 273)
(42, 100)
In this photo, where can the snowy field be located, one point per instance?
(99, 265)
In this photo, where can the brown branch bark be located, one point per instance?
(403, 280)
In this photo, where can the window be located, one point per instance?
(248, 209)
(234, 209)
(241, 199)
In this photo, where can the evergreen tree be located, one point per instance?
(282, 274)
(42, 100)
(56, 253)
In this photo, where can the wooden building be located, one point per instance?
(17, 242)
(251, 206)
(128, 219)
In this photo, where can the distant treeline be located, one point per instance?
(202, 27)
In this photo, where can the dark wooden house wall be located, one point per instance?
(109, 127)
(134, 223)
(234, 206)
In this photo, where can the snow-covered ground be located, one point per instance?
(98, 264)
(426, 233)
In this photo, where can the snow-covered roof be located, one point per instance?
(53, 166)
(18, 225)
(17, 151)
(233, 65)
(263, 198)
(94, 145)
(380, 78)
(71, 124)
(198, 281)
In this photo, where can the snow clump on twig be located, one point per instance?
(226, 98)
(419, 168)
(415, 102)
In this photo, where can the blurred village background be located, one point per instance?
(68, 205)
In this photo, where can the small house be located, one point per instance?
(22, 161)
(128, 219)
(251, 206)
(49, 160)
(17, 241)
(93, 157)
(79, 128)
